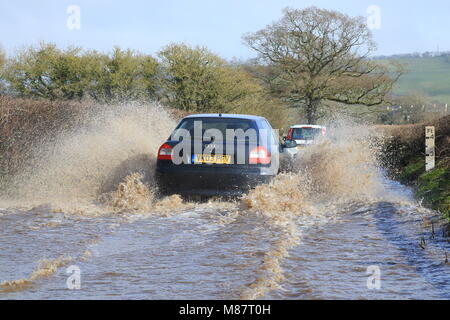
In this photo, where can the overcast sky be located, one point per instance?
(405, 26)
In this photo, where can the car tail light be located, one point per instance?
(165, 152)
(289, 135)
(259, 155)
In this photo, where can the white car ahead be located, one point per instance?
(304, 135)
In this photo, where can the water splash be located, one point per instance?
(75, 171)
(338, 170)
(106, 166)
(45, 268)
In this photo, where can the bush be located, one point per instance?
(406, 142)
(71, 74)
(122, 76)
(404, 151)
(196, 80)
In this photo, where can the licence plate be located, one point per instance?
(210, 158)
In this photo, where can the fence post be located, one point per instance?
(429, 148)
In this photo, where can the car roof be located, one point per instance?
(307, 126)
(225, 115)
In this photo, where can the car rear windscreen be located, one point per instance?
(305, 133)
(221, 124)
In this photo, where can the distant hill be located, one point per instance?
(427, 73)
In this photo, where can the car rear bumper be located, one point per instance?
(209, 181)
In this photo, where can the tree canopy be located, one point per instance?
(312, 55)
(196, 79)
(48, 72)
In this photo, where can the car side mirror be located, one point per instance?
(290, 144)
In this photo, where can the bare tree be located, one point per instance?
(313, 55)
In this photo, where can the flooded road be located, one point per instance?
(215, 251)
(85, 211)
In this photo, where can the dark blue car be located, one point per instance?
(218, 154)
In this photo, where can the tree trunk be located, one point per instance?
(311, 110)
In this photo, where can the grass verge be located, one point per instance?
(405, 159)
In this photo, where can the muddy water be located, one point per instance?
(87, 202)
(332, 259)
(215, 251)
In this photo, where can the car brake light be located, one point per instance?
(165, 152)
(289, 135)
(259, 155)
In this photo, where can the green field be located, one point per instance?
(428, 75)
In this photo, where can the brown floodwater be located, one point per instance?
(216, 251)
(333, 228)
